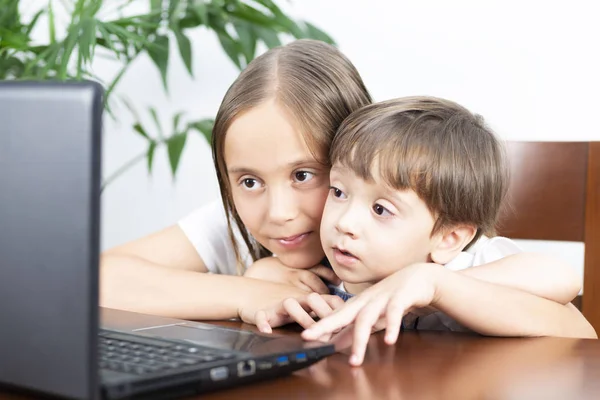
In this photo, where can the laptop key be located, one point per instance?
(190, 361)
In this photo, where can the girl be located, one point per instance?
(271, 139)
(273, 129)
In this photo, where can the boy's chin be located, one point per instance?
(347, 277)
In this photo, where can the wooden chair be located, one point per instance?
(555, 195)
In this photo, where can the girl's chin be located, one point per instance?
(301, 261)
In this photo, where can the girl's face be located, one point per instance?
(278, 188)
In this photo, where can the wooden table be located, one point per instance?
(431, 365)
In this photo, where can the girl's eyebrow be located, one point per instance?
(291, 165)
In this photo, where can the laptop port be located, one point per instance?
(300, 357)
(283, 360)
(264, 365)
(219, 373)
(246, 368)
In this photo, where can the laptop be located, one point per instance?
(51, 339)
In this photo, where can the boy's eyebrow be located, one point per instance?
(396, 196)
(290, 165)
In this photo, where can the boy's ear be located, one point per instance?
(450, 242)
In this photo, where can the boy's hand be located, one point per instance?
(412, 287)
(310, 280)
(302, 311)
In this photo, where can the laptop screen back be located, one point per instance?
(49, 234)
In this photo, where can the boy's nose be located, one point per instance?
(348, 223)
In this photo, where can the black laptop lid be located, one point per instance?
(49, 235)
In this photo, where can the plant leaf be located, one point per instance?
(87, 40)
(268, 36)
(254, 16)
(51, 24)
(185, 49)
(247, 39)
(205, 127)
(159, 53)
(175, 145)
(231, 47)
(33, 21)
(157, 122)
(176, 120)
(140, 129)
(108, 42)
(156, 5)
(315, 33)
(67, 51)
(201, 11)
(150, 155)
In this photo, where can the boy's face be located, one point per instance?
(369, 230)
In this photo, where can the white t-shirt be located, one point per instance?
(206, 229)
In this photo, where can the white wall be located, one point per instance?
(530, 67)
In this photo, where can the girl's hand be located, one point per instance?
(411, 288)
(301, 310)
(309, 280)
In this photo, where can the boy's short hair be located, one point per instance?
(437, 148)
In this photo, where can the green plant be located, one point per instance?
(69, 52)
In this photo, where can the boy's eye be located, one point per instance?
(337, 192)
(250, 184)
(381, 210)
(303, 176)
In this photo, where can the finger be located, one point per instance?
(334, 302)
(343, 339)
(262, 322)
(365, 321)
(302, 286)
(394, 314)
(313, 282)
(379, 325)
(297, 313)
(325, 273)
(319, 305)
(338, 319)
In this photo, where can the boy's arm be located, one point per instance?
(497, 310)
(533, 273)
(484, 307)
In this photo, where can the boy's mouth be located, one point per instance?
(343, 256)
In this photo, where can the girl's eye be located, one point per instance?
(303, 176)
(337, 192)
(381, 210)
(250, 184)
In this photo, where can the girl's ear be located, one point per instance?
(448, 243)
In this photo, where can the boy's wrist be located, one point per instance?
(434, 275)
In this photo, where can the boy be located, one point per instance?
(415, 182)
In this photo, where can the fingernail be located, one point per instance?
(354, 359)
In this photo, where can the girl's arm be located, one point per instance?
(162, 274)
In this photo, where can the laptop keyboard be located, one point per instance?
(140, 355)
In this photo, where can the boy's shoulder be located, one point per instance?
(485, 250)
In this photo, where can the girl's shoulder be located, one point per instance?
(206, 228)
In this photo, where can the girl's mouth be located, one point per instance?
(291, 242)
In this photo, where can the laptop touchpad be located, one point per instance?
(218, 337)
